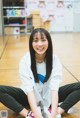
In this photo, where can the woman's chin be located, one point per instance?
(40, 53)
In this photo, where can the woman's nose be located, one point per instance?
(39, 42)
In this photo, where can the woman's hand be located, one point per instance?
(55, 116)
(52, 116)
(38, 116)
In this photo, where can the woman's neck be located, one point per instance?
(40, 58)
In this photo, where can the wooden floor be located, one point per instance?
(66, 46)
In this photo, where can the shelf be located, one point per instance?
(14, 16)
(15, 25)
(15, 20)
(13, 7)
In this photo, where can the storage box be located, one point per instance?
(16, 30)
(11, 30)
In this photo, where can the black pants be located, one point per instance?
(15, 99)
(69, 95)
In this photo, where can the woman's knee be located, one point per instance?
(3, 88)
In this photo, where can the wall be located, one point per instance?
(65, 17)
(76, 19)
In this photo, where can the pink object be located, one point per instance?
(31, 114)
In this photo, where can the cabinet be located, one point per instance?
(14, 17)
(1, 28)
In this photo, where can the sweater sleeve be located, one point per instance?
(26, 75)
(56, 75)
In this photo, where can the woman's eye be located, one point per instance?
(35, 40)
(43, 39)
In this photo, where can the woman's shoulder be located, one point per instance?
(27, 55)
(56, 60)
(55, 57)
(25, 58)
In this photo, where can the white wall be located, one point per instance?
(76, 27)
(62, 20)
(76, 19)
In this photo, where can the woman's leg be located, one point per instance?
(14, 98)
(69, 95)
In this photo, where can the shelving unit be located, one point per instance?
(14, 17)
(1, 28)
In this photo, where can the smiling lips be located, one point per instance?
(40, 49)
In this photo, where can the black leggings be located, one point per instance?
(69, 95)
(15, 99)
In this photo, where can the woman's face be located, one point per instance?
(40, 43)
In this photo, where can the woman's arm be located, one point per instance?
(54, 85)
(54, 103)
(33, 105)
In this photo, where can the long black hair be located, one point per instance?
(49, 54)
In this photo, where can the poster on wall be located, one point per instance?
(30, 5)
(56, 12)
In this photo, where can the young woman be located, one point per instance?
(41, 74)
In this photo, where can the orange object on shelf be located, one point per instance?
(38, 22)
